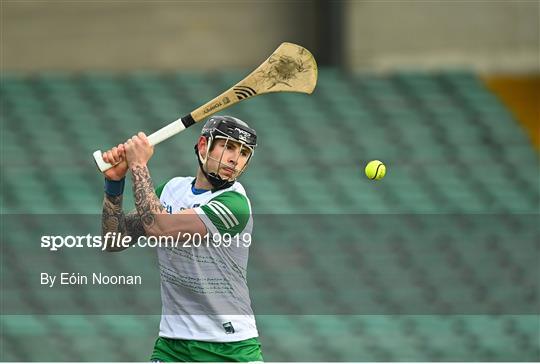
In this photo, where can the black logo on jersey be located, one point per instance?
(229, 328)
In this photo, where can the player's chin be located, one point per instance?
(228, 175)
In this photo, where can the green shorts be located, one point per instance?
(177, 350)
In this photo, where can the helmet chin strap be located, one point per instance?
(215, 180)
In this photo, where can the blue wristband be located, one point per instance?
(114, 188)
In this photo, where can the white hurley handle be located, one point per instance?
(162, 134)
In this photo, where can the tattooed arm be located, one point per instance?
(113, 220)
(154, 218)
(146, 201)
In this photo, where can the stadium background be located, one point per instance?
(445, 93)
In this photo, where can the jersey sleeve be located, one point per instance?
(228, 213)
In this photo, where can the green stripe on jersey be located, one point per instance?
(229, 212)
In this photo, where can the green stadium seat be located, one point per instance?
(450, 147)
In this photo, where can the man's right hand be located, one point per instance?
(117, 157)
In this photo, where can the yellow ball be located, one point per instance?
(375, 170)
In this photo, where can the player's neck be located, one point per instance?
(201, 182)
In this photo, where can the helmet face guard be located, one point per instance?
(232, 131)
(222, 164)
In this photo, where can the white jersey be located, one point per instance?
(204, 289)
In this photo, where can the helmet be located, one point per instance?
(230, 129)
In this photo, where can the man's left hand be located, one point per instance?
(138, 150)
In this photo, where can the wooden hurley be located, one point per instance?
(291, 68)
